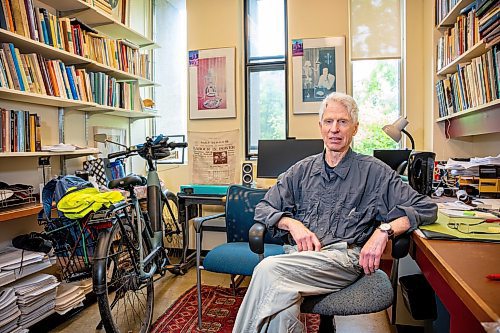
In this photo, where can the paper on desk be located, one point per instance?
(474, 162)
(460, 213)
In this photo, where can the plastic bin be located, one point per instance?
(418, 297)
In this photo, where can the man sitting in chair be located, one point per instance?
(339, 210)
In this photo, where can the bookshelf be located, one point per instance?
(27, 45)
(76, 153)
(23, 211)
(466, 70)
(98, 19)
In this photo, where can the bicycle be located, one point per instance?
(131, 249)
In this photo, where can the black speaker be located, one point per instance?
(247, 174)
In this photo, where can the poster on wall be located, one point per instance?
(215, 157)
(318, 70)
(212, 83)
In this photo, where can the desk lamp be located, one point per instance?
(395, 129)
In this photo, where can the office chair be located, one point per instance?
(369, 294)
(235, 256)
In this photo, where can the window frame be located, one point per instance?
(253, 65)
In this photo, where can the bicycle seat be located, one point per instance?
(127, 182)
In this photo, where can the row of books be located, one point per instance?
(475, 83)
(443, 7)
(71, 35)
(488, 13)
(107, 91)
(33, 73)
(20, 131)
(458, 39)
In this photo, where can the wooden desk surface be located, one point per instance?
(464, 266)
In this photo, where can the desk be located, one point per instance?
(457, 272)
(185, 214)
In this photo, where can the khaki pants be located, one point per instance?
(279, 283)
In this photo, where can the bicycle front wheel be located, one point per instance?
(125, 301)
(173, 230)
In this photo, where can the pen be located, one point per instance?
(494, 277)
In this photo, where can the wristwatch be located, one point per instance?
(386, 227)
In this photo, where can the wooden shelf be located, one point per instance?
(474, 109)
(28, 45)
(21, 211)
(484, 119)
(451, 17)
(99, 20)
(473, 52)
(29, 97)
(76, 153)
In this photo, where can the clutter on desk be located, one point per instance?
(477, 176)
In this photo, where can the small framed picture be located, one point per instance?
(177, 154)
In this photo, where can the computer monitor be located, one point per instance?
(276, 156)
(393, 157)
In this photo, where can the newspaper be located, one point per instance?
(215, 157)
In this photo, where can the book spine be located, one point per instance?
(21, 69)
(38, 133)
(13, 134)
(27, 143)
(71, 83)
(4, 129)
(16, 16)
(12, 54)
(31, 20)
(8, 15)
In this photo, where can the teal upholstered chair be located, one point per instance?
(234, 257)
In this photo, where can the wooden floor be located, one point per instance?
(170, 287)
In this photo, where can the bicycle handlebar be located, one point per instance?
(155, 148)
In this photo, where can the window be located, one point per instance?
(169, 66)
(266, 72)
(376, 70)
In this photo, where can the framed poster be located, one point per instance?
(212, 84)
(318, 70)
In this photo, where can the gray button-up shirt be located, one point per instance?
(348, 205)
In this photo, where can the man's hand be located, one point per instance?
(306, 240)
(369, 257)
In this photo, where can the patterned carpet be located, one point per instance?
(219, 312)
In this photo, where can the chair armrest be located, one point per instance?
(198, 222)
(256, 237)
(401, 246)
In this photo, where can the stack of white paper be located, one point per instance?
(68, 297)
(9, 310)
(471, 168)
(16, 263)
(35, 297)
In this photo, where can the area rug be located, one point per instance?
(219, 312)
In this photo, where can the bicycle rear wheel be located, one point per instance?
(173, 230)
(125, 302)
